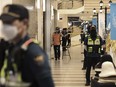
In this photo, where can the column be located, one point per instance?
(40, 22)
(47, 28)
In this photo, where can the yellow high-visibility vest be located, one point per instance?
(92, 43)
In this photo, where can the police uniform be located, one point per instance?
(32, 63)
(93, 54)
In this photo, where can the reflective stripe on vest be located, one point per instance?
(3, 74)
(90, 49)
(3, 69)
(91, 43)
(6, 75)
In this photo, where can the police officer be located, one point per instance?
(92, 45)
(30, 61)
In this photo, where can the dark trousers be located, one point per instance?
(91, 61)
(57, 51)
(64, 43)
(69, 42)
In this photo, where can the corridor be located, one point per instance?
(68, 73)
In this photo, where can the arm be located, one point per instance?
(85, 43)
(40, 68)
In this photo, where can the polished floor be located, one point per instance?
(68, 73)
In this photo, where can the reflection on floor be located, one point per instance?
(68, 73)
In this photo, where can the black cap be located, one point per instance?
(57, 28)
(14, 11)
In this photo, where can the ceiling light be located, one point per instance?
(101, 3)
(110, 2)
(94, 10)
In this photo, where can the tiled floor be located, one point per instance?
(68, 73)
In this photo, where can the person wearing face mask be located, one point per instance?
(30, 62)
(92, 45)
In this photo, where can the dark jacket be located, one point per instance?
(33, 64)
(3, 47)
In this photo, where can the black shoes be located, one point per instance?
(82, 60)
(57, 59)
(87, 84)
(83, 68)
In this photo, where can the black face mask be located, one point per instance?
(93, 33)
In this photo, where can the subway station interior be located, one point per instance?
(76, 37)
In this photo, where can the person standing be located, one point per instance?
(56, 43)
(29, 60)
(92, 45)
(64, 38)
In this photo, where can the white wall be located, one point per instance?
(64, 22)
(2, 4)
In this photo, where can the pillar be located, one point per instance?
(47, 28)
(40, 23)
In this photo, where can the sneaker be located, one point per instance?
(87, 84)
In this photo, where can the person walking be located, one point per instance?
(56, 43)
(92, 45)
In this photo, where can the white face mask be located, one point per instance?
(9, 32)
